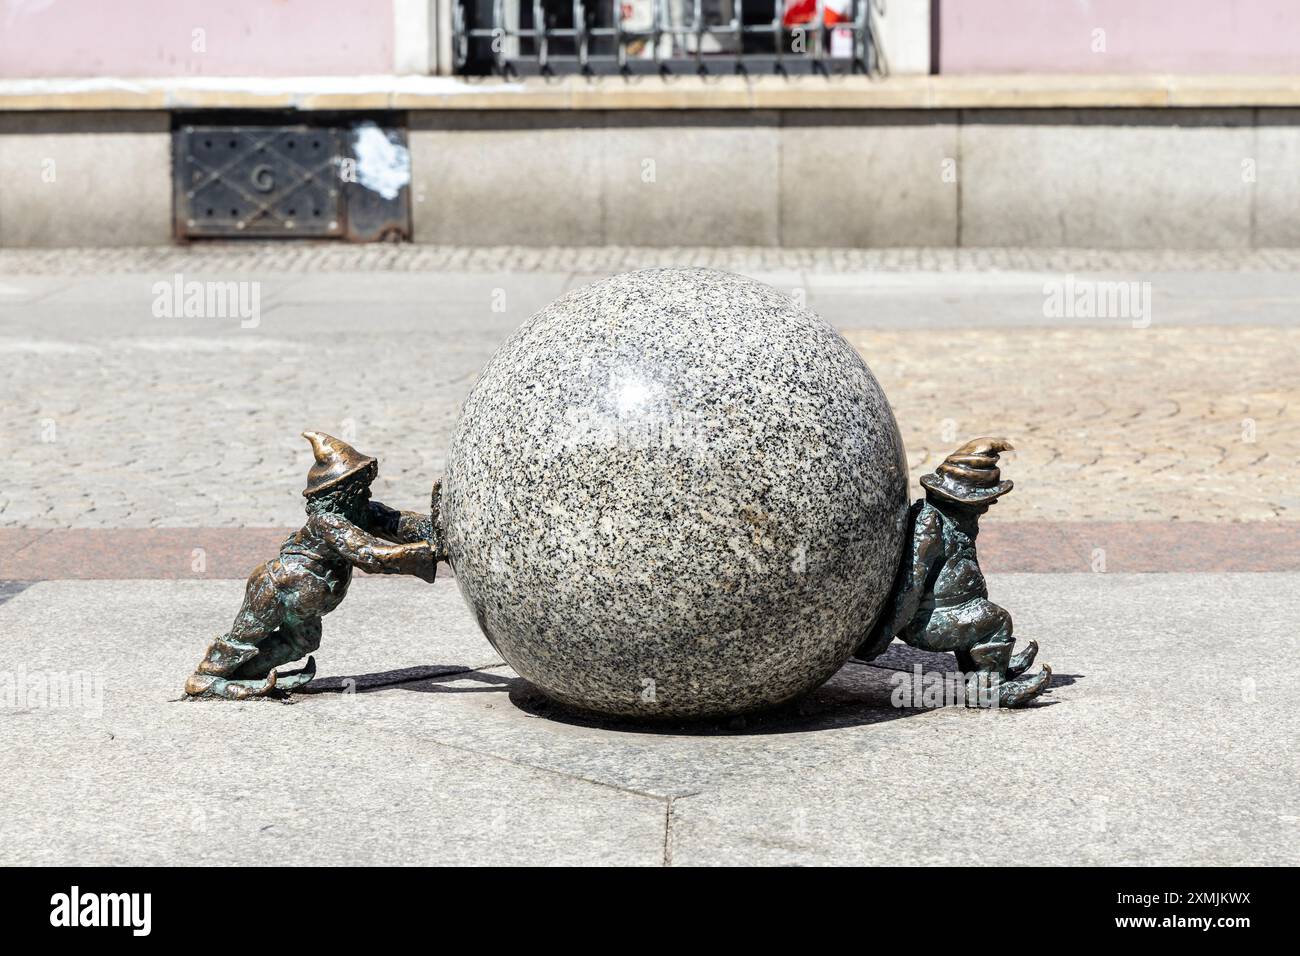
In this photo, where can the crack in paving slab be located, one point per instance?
(513, 761)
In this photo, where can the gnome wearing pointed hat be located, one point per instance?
(280, 620)
(940, 600)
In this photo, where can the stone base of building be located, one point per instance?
(1161, 177)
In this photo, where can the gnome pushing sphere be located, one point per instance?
(672, 494)
(280, 620)
(940, 601)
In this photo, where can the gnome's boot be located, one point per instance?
(1017, 665)
(212, 678)
(287, 643)
(996, 659)
(1020, 662)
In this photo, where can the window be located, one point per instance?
(531, 37)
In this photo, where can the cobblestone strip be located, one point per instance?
(1005, 546)
(306, 257)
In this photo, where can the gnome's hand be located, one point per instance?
(426, 568)
(437, 541)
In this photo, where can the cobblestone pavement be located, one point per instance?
(333, 256)
(117, 418)
(1178, 423)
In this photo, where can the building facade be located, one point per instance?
(652, 122)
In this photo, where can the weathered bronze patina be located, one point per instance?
(940, 600)
(280, 620)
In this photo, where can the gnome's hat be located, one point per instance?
(335, 461)
(970, 475)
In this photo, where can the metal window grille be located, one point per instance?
(545, 37)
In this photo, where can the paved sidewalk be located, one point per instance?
(116, 418)
(1169, 737)
(152, 462)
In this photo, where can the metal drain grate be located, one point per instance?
(269, 181)
(261, 181)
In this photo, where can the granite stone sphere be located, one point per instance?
(675, 493)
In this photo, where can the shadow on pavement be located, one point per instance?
(428, 679)
(859, 694)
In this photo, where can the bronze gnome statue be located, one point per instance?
(280, 620)
(940, 600)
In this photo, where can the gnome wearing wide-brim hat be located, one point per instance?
(280, 620)
(940, 600)
(970, 475)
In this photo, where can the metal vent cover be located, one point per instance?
(281, 181)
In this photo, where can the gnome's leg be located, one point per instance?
(1021, 662)
(259, 615)
(999, 619)
(262, 611)
(293, 640)
(978, 632)
(990, 626)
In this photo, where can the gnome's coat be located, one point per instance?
(940, 601)
(280, 619)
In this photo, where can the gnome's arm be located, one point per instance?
(400, 527)
(404, 527)
(924, 547)
(372, 554)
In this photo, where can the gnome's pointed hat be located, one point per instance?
(335, 461)
(970, 475)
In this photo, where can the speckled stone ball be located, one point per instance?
(675, 493)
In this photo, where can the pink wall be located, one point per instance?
(1141, 36)
(45, 38)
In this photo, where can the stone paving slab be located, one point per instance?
(57, 554)
(1168, 737)
(217, 787)
(148, 779)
